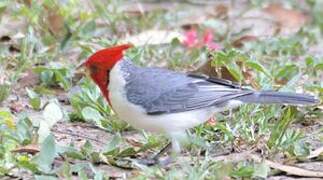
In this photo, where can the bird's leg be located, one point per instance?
(162, 151)
(156, 158)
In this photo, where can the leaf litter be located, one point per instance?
(255, 25)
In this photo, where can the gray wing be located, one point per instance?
(161, 91)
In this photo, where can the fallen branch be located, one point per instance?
(248, 155)
(315, 153)
(78, 135)
(291, 170)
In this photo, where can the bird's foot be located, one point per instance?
(154, 161)
(147, 162)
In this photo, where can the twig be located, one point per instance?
(291, 170)
(78, 135)
(248, 155)
(315, 153)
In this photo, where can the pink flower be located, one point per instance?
(208, 41)
(211, 121)
(207, 37)
(192, 41)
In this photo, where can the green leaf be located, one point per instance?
(319, 66)
(88, 28)
(43, 130)
(301, 149)
(52, 113)
(261, 171)
(87, 148)
(4, 92)
(24, 162)
(47, 154)
(280, 128)
(309, 61)
(47, 77)
(34, 99)
(245, 171)
(43, 177)
(7, 119)
(235, 72)
(287, 71)
(113, 144)
(258, 67)
(127, 152)
(98, 176)
(61, 78)
(24, 133)
(89, 113)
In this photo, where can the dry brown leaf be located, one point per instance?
(289, 20)
(212, 72)
(27, 2)
(197, 15)
(28, 79)
(5, 38)
(223, 73)
(194, 15)
(153, 37)
(55, 21)
(238, 43)
(31, 149)
(134, 142)
(17, 106)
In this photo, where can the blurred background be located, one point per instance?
(54, 124)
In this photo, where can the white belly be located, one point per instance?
(136, 116)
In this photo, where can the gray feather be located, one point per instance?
(272, 97)
(161, 91)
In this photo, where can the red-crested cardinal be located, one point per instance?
(164, 101)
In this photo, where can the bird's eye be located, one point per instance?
(93, 69)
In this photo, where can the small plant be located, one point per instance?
(55, 76)
(4, 92)
(91, 106)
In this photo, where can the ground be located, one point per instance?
(54, 123)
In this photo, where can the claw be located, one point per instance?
(160, 161)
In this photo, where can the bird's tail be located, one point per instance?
(272, 97)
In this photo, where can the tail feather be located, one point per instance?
(272, 97)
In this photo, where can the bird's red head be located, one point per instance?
(101, 62)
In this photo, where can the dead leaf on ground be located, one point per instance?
(134, 142)
(274, 19)
(212, 72)
(193, 15)
(223, 73)
(254, 22)
(28, 79)
(18, 106)
(238, 43)
(30, 148)
(5, 38)
(55, 21)
(288, 20)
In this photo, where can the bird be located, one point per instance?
(164, 101)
